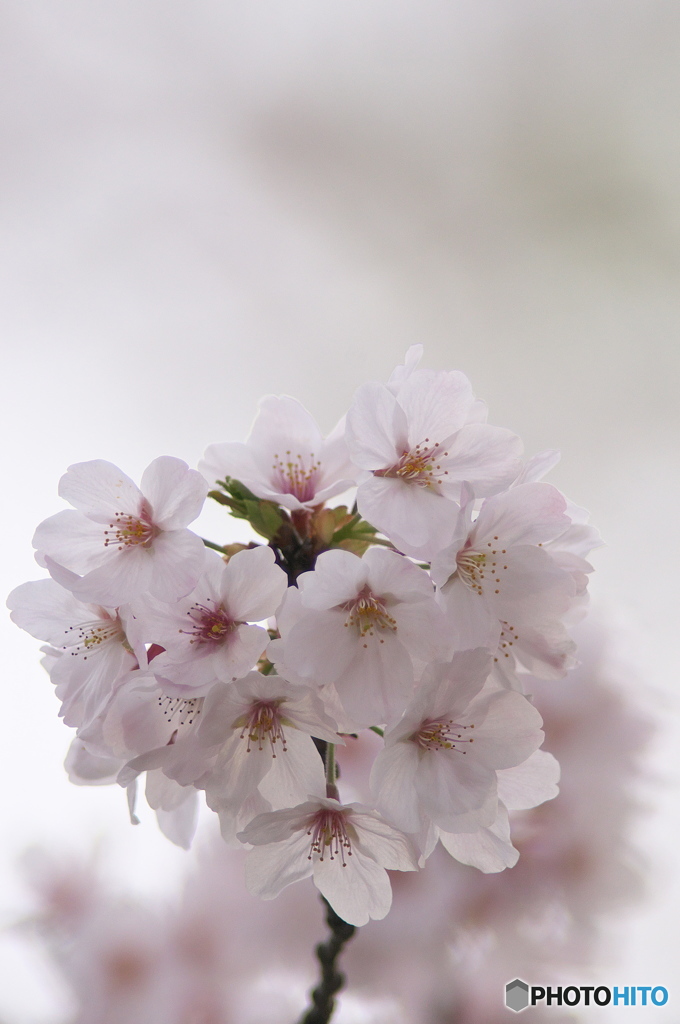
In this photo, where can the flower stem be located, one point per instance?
(332, 980)
(212, 546)
(330, 764)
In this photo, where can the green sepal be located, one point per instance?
(265, 517)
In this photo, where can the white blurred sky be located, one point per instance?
(205, 201)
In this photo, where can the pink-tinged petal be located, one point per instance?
(471, 821)
(188, 678)
(86, 769)
(445, 562)
(233, 459)
(487, 457)
(294, 773)
(285, 419)
(253, 585)
(422, 629)
(100, 489)
(381, 841)
(179, 825)
(336, 466)
(288, 615)
(240, 652)
(177, 562)
(527, 586)
(436, 404)
(530, 514)
(579, 539)
(223, 706)
(238, 771)
(306, 712)
(149, 761)
(358, 892)
(232, 823)
(72, 540)
(164, 793)
(123, 576)
(269, 869)
(446, 690)
(336, 579)
(419, 521)
(508, 729)
(322, 662)
(546, 650)
(449, 784)
(280, 826)
(84, 686)
(392, 576)
(399, 374)
(393, 783)
(530, 783)
(538, 466)
(489, 850)
(469, 620)
(377, 430)
(378, 682)
(175, 492)
(47, 611)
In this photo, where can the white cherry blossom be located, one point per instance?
(252, 748)
(439, 763)
(500, 579)
(285, 458)
(346, 848)
(210, 635)
(101, 645)
(124, 541)
(417, 441)
(527, 785)
(361, 623)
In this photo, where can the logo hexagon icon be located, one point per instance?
(517, 995)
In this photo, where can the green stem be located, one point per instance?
(376, 728)
(331, 773)
(214, 547)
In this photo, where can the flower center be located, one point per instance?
(296, 475)
(474, 567)
(368, 613)
(211, 624)
(508, 638)
(184, 711)
(88, 637)
(419, 466)
(329, 833)
(128, 531)
(442, 734)
(263, 723)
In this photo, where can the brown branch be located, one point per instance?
(332, 980)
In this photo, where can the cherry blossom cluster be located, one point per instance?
(244, 670)
(453, 936)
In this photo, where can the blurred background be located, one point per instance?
(206, 201)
